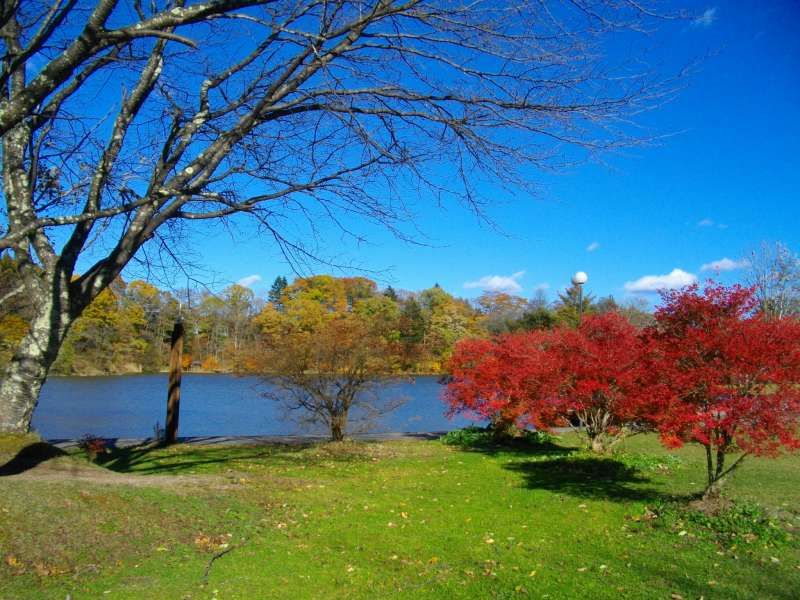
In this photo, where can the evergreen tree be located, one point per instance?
(276, 291)
(412, 323)
(390, 293)
(568, 302)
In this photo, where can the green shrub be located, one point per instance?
(484, 436)
(737, 523)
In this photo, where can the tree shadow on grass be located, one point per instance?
(587, 477)
(152, 458)
(518, 447)
(30, 457)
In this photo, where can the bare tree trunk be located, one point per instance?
(597, 445)
(174, 391)
(338, 426)
(27, 371)
(718, 475)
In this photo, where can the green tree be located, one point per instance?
(536, 319)
(567, 307)
(383, 313)
(412, 331)
(149, 298)
(106, 338)
(275, 295)
(238, 307)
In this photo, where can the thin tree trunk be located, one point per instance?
(718, 478)
(28, 369)
(709, 467)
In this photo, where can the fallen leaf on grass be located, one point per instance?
(45, 570)
(212, 544)
(13, 562)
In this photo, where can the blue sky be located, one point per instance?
(727, 179)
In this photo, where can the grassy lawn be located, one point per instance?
(401, 519)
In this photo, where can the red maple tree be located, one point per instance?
(587, 376)
(724, 377)
(599, 381)
(499, 379)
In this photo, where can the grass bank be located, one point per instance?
(399, 519)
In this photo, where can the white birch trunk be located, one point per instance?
(27, 371)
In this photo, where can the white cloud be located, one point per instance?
(677, 278)
(725, 264)
(711, 223)
(498, 283)
(707, 18)
(249, 281)
(593, 246)
(542, 287)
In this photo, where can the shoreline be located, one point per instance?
(256, 440)
(201, 372)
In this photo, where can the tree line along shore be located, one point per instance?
(126, 329)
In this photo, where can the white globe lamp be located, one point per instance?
(579, 279)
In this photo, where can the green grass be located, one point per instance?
(404, 519)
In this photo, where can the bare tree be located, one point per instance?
(123, 122)
(325, 375)
(774, 272)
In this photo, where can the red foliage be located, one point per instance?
(549, 378)
(497, 379)
(724, 376)
(710, 370)
(599, 380)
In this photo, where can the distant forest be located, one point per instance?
(127, 327)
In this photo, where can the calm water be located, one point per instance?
(130, 405)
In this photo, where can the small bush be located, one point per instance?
(736, 523)
(485, 436)
(93, 445)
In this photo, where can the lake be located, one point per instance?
(129, 406)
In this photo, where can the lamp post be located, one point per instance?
(579, 279)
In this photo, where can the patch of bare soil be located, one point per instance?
(712, 505)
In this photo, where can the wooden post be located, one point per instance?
(174, 391)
